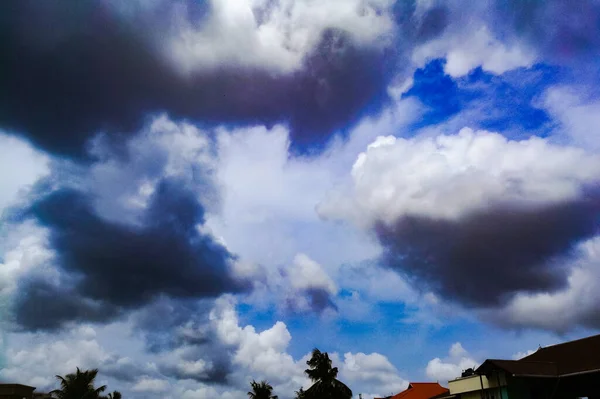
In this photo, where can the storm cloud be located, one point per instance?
(120, 266)
(485, 258)
(77, 71)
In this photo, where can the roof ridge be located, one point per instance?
(564, 343)
(424, 383)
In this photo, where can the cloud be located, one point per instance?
(33, 166)
(577, 302)
(120, 266)
(106, 68)
(452, 210)
(578, 115)
(521, 355)
(312, 287)
(371, 371)
(557, 30)
(472, 48)
(150, 385)
(451, 367)
(39, 360)
(125, 230)
(276, 35)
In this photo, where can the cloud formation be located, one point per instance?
(451, 211)
(119, 266)
(107, 68)
(444, 370)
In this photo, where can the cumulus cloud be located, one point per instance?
(371, 371)
(451, 210)
(444, 370)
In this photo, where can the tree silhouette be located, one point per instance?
(78, 385)
(261, 390)
(325, 386)
(114, 395)
(300, 393)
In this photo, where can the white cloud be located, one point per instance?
(370, 373)
(470, 43)
(21, 166)
(579, 119)
(444, 370)
(258, 352)
(270, 195)
(521, 355)
(266, 34)
(449, 176)
(41, 359)
(305, 274)
(24, 250)
(150, 385)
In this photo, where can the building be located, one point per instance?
(421, 390)
(476, 386)
(16, 391)
(565, 371)
(19, 391)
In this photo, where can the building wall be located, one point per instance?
(474, 383)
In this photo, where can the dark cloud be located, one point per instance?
(433, 23)
(122, 266)
(560, 29)
(320, 299)
(45, 306)
(182, 327)
(486, 257)
(69, 72)
(125, 370)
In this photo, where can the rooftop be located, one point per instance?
(421, 390)
(567, 358)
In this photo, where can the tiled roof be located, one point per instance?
(421, 390)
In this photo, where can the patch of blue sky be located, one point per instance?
(507, 103)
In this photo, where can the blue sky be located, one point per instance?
(196, 194)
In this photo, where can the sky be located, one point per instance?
(196, 193)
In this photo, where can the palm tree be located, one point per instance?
(261, 390)
(78, 385)
(325, 386)
(114, 395)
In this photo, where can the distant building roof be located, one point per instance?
(421, 390)
(579, 356)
